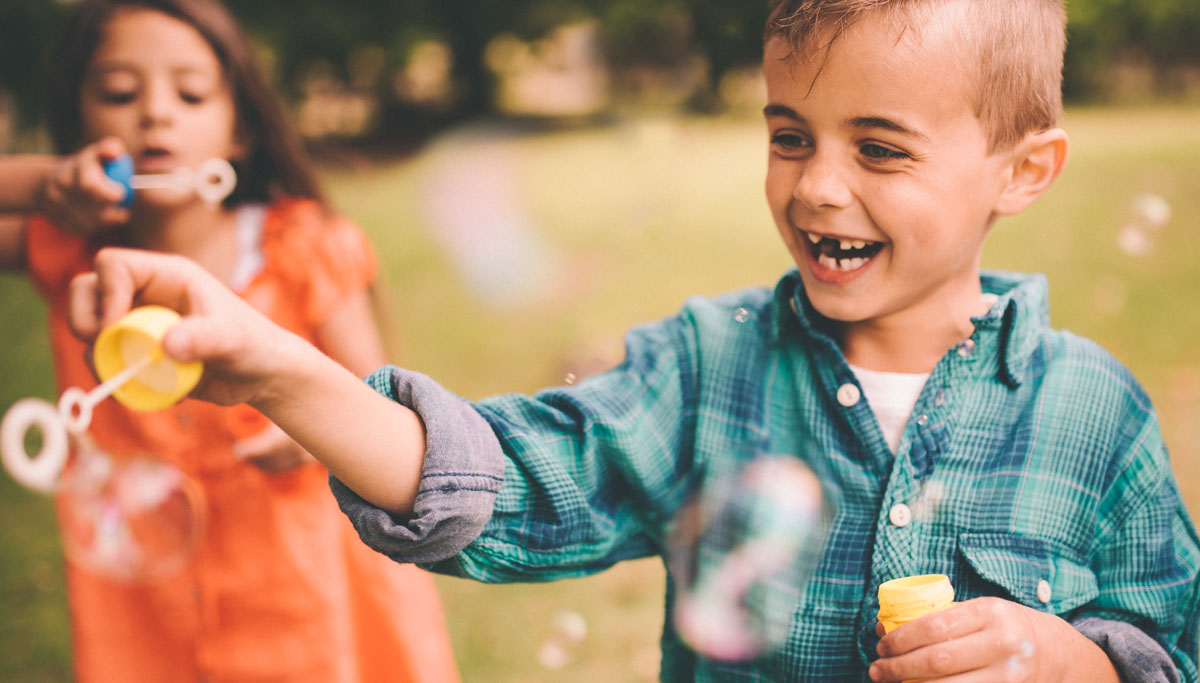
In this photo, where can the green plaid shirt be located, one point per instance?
(1055, 488)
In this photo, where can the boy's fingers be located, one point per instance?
(84, 307)
(199, 339)
(972, 652)
(128, 277)
(953, 622)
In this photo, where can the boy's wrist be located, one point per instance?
(1068, 656)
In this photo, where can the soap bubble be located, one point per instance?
(741, 315)
(131, 520)
(1148, 213)
(929, 499)
(741, 555)
(1151, 210)
(567, 630)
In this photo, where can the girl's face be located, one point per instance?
(155, 83)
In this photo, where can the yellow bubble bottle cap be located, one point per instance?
(906, 599)
(139, 334)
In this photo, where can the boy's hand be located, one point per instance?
(78, 196)
(242, 351)
(987, 640)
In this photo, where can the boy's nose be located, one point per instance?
(821, 184)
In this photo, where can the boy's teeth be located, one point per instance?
(843, 264)
(857, 244)
(815, 239)
(844, 244)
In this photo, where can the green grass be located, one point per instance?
(636, 217)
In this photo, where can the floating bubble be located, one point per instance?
(1148, 213)
(567, 630)
(1134, 241)
(132, 520)
(741, 556)
(570, 378)
(1151, 210)
(929, 500)
(741, 315)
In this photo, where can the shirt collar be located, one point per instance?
(1013, 326)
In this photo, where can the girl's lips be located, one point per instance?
(155, 161)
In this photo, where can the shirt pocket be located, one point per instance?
(1035, 572)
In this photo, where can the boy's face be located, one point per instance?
(879, 178)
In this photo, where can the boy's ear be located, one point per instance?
(1037, 160)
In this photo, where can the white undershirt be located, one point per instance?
(891, 396)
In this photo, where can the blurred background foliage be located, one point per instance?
(390, 73)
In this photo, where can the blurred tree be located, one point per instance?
(366, 45)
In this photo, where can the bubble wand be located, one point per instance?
(212, 180)
(132, 368)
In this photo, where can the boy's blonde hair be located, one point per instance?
(1016, 47)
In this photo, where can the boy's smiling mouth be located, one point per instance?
(841, 255)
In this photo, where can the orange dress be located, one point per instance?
(280, 587)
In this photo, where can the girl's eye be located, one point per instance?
(190, 97)
(876, 152)
(789, 141)
(117, 96)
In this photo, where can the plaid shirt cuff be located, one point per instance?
(1137, 657)
(461, 475)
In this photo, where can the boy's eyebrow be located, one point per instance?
(856, 122)
(886, 124)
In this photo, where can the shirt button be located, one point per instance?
(848, 394)
(1043, 591)
(901, 515)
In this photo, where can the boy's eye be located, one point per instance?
(191, 97)
(876, 152)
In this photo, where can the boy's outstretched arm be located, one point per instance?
(374, 446)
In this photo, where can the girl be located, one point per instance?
(280, 587)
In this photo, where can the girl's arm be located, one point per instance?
(71, 191)
(22, 179)
(351, 337)
(24, 176)
(12, 237)
(373, 445)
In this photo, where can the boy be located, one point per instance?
(899, 131)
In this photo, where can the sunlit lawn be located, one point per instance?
(625, 221)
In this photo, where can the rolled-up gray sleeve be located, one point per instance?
(461, 476)
(1136, 656)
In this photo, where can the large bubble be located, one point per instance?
(130, 520)
(741, 555)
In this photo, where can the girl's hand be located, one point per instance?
(244, 353)
(78, 196)
(272, 451)
(989, 640)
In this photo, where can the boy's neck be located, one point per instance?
(911, 342)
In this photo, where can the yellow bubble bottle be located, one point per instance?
(906, 599)
(133, 339)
